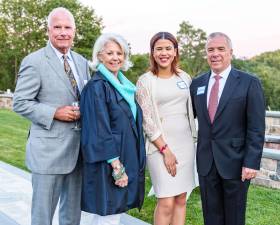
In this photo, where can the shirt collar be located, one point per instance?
(59, 54)
(224, 74)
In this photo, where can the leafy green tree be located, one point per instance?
(23, 27)
(192, 48)
(140, 66)
(271, 59)
(265, 67)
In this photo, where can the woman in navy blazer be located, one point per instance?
(112, 136)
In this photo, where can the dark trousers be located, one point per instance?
(223, 201)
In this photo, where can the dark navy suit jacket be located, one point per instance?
(109, 130)
(236, 137)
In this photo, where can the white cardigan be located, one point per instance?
(145, 96)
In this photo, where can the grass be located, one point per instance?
(263, 203)
(13, 135)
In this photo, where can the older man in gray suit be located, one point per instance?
(49, 81)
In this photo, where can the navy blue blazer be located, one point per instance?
(236, 137)
(109, 130)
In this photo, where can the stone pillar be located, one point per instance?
(6, 100)
(269, 174)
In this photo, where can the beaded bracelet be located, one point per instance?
(163, 148)
(118, 175)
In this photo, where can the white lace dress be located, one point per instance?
(171, 97)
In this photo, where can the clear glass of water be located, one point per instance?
(77, 124)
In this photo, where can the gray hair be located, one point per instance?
(219, 34)
(60, 10)
(100, 43)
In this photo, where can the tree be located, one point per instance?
(23, 28)
(266, 67)
(192, 48)
(140, 66)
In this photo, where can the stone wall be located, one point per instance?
(6, 101)
(269, 174)
(272, 142)
(272, 123)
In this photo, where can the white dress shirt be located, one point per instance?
(71, 63)
(224, 75)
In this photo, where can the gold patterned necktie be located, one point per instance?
(71, 76)
(213, 99)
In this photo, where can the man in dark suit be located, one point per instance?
(229, 105)
(49, 81)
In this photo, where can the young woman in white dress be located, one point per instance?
(163, 94)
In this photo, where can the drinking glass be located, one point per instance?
(77, 124)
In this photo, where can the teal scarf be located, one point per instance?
(124, 87)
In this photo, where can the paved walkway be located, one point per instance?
(15, 199)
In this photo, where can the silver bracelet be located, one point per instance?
(118, 175)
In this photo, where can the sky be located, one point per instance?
(252, 25)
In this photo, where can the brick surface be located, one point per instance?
(261, 181)
(278, 168)
(6, 102)
(269, 164)
(266, 183)
(272, 145)
(264, 173)
(272, 126)
(274, 177)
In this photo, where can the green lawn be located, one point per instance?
(263, 203)
(13, 135)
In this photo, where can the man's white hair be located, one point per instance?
(60, 10)
(219, 34)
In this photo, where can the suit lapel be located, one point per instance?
(54, 62)
(231, 84)
(203, 100)
(125, 107)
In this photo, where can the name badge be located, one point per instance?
(200, 90)
(182, 85)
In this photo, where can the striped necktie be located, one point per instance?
(214, 98)
(71, 76)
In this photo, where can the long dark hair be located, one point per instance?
(153, 64)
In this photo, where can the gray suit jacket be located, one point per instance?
(43, 86)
